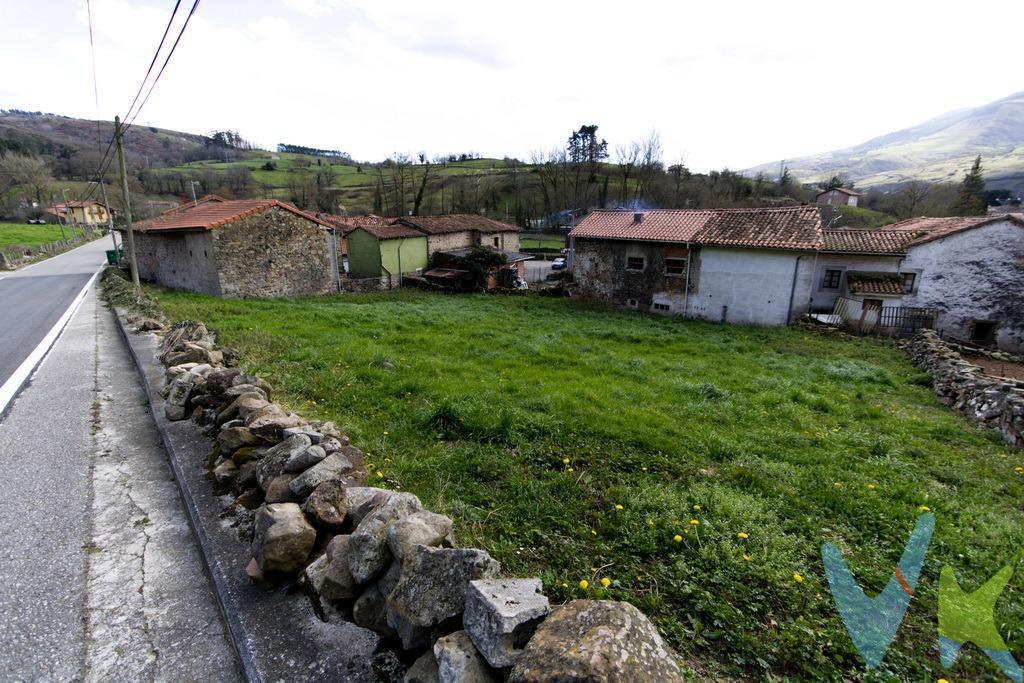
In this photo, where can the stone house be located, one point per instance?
(460, 231)
(386, 251)
(838, 196)
(236, 248)
(769, 266)
(89, 213)
(343, 225)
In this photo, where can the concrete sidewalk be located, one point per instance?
(100, 578)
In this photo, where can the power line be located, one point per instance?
(95, 82)
(155, 56)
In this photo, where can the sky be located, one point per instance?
(725, 84)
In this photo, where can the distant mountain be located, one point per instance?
(938, 150)
(65, 138)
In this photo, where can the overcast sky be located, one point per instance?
(725, 83)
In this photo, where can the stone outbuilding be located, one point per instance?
(838, 196)
(237, 248)
(463, 231)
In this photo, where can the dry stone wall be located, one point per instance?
(992, 401)
(375, 557)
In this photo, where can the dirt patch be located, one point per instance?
(998, 368)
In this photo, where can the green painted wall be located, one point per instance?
(370, 257)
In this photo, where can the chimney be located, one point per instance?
(637, 217)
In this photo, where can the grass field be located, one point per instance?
(534, 241)
(577, 443)
(28, 235)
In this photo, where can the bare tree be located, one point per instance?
(28, 173)
(650, 165)
(912, 196)
(626, 156)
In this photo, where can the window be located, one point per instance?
(634, 263)
(675, 266)
(632, 303)
(495, 241)
(662, 307)
(908, 282)
(832, 279)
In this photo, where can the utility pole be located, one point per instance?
(74, 223)
(129, 238)
(195, 202)
(110, 220)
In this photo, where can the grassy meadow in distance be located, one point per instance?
(29, 235)
(534, 241)
(577, 443)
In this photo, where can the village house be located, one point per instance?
(236, 248)
(838, 196)
(346, 224)
(460, 231)
(89, 213)
(385, 251)
(769, 266)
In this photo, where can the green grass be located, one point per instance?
(529, 241)
(29, 235)
(859, 217)
(773, 432)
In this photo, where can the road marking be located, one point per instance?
(18, 378)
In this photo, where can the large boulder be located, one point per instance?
(419, 528)
(368, 549)
(326, 505)
(278, 491)
(338, 583)
(423, 670)
(459, 662)
(501, 616)
(304, 459)
(335, 466)
(233, 438)
(272, 463)
(218, 381)
(178, 394)
(592, 641)
(432, 589)
(282, 538)
(362, 500)
(241, 407)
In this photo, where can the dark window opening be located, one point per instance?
(632, 303)
(662, 307)
(495, 241)
(908, 282)
(832, 279)
(634, 263)
(675, 266)
(984, 332)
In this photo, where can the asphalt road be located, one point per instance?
(34, 298)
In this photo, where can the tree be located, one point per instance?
(28, 173)
(911, 197)
(971, 199)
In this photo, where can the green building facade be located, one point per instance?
(374, 251)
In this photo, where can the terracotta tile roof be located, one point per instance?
(439, 225)
(188, 206)
(214, 214)
(387, 232)
(72, 204)
(347, 224)
(841, 189)
(791, 227)
(926, 229)
(875, 283)
(867, 241)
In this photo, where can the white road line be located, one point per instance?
(21, 375)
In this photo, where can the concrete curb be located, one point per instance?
(274, 632)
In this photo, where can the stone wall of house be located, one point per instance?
(971, 276)
(600, 274)
(992, 401)
(376, 557)
(182, 260)
(273, 253)
(452, 240)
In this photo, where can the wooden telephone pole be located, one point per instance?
(129, 238)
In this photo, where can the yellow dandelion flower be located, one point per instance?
(584, 584)
(797, 577)
(837, 485)
(380, 475)
(565, 585)
(871, 487)
(644, 468)
(746, 557)
(696, 507)
(565, 461)
(593, 533)
(677, 538)
(694, 522)
(385, 433)
(1018, 469)
(569, 470)
(924, 508)
(618, 506)
(686, 530)
(743, 535)
(942, 680)
(606, 582)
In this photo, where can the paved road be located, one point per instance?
(100, 578)
(34, 298)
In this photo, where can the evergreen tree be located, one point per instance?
(971, 200)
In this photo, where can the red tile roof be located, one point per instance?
(841, 189)
(214, 214)
(188, 206)
(867, 241)
(387, 232)
(875, 283)
(926, 229)
(791, 227)
(439, 225)
(349, 223)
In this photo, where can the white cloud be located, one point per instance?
(726, 84)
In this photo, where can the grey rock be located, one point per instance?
(233, 438)
(247, 473)
(337, 583)
(326, 505)
(201, 370)
(282, 539)
(362, 500)
(423, 670)
(220, 380)
(370, 611)
(368, 549)
(272, 462)
(314, 436)
(596, 640)
(271, 426)
(278, 490)
(432, 588)
(314, 573)
(178, 394)
(420, 528)
(175, 370)
(242, 407)
(236, 391)
(305, 459)
(459, 662)
(224, 473)
(502, 615)
(334, 466)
